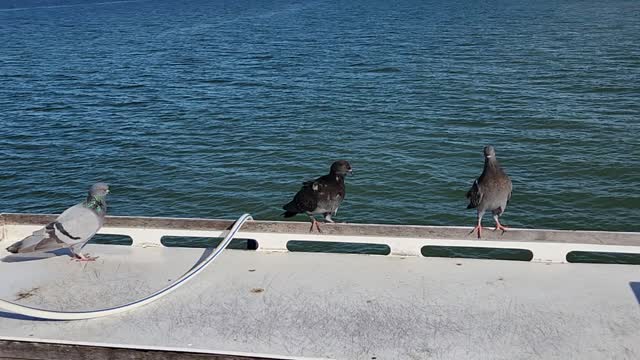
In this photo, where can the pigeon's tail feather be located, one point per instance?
(15, 248)
(291, 208)
(38, 241)
(289, 214)
(471, 206)
(25, 246)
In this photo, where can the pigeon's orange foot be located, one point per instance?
(84, 257)
(501, 227)
(316, 224)
(478, 228)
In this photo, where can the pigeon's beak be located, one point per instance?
(350, 172)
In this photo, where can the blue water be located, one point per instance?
(215, 108)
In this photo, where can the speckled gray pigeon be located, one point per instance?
(321, 196)
(491, 191)
(72, 229)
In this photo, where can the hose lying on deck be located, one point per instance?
(81, 315)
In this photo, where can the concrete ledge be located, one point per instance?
(402, 240)
(290, 227)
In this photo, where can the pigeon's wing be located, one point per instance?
(306, 199)
(77, 225)
(474, 195)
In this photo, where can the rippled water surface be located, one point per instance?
(214, 108)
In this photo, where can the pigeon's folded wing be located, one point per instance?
(474, 195)
(77, 225)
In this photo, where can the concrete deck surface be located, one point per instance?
(335, 306)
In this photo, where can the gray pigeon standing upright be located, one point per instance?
(321, 196)
(491, 191)
(72, 229)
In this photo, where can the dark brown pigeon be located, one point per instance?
(321, 196)
(491, 191)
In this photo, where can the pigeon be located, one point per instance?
(72, 229)
(321, 196)
(491, 191)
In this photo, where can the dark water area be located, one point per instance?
(216, 108)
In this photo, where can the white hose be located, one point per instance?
(80, 315)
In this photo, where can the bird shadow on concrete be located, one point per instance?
(635, 288)
(36, 256)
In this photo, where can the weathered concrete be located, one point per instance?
(31, 350)
(336, 306)
(375, 230)
(545, 245)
